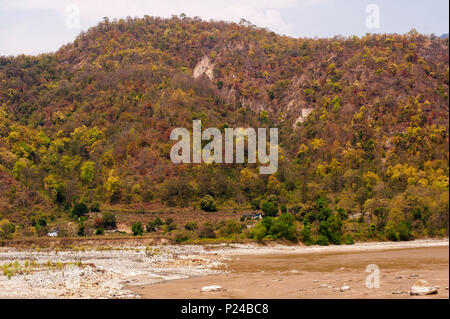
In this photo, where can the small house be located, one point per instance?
(53, 233)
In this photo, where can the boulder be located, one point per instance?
(345, 288)
(212, 288)
(422, 287)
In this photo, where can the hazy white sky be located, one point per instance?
(36, 26)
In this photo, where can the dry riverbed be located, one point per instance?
(243, 271)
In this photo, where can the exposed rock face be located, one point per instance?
(304, 114)
(422, 287)
(204, 67)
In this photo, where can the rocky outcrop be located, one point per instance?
(205, 66)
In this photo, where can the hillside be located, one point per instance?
(363, 125)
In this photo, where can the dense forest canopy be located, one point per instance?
(363, 123)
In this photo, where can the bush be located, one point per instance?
(348, 239)
(208, 204)
(79, 210)
(99, 231)
(95, 207)
(182, 236)
(255, 203)
(81, 228)
(170, 224)
(283, 227)
(342, 214)
(6, 229)
(154, 225)
(191, 226)
(305, 235)
(137, 229)
(98, 222)
(404, 231)
(108, 220)
(283, 209)
(258, 232)
(390, 232)
(322, 240)
(270, 208)
(331, 228)
(229, 227)
(207, 231)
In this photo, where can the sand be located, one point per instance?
(315, 272)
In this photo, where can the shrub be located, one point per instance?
(79, 210)
(229, 227)
(348, 239)
(170, 223)
(109, 220)
(98, 222)
(390, 232)
(258, 232)
(342, 214)
(6, 228)
(270, 208)
(137, 229)
(95, 207)
(81, 228)
(404, 231)
(255, 203)
(207, 231)
(283, 209)
(322, 240)
(305, 235)
(191, 226)
(154, 225)
(208, 204)
(283, 227)
(99, 231)
(182, 236)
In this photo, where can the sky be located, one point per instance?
(38, 26)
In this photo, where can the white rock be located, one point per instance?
(345, 288)
(212, 288)
(422, 287)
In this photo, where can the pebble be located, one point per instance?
(212, 288)
(345, 288)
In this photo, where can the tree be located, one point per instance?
(79, 210)
(6, 229)
(154, 225)
(87, 174)
(208, 204)
(109, 220)
(270, 206)
(113, 187)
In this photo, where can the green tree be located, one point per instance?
(87, 174)
(270, 206)
(109, 220)
(137, 229)
(79, 210)
(208, 204)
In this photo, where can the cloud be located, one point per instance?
(264, 13)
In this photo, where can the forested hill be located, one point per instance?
(363, 122)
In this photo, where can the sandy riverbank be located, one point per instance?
(244, 270)
(318, 272)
